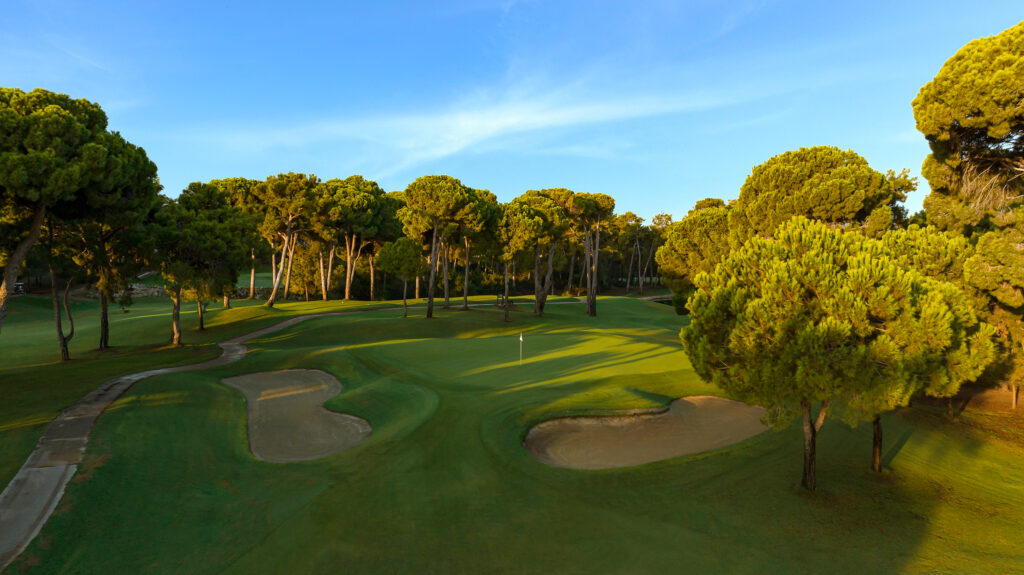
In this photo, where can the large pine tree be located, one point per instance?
(818, 316)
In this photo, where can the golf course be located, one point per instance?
(690, 306)
(444, 483)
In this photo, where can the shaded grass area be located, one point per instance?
(443, 485)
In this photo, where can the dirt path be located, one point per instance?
(287, 419)
(690, 425)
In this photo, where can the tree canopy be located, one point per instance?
(201, 244)
(972, 114)
(351, 211)
(288, 200)
(822, 183)
(107, 222)
(432, 208)
(996, 269)
(695, 244)
(51, 147)
(402, 257)
(816, 315)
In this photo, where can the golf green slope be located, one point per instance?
(444, 485)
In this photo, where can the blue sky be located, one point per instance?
(658, 105)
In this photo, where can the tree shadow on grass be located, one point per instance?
(658, 398)
(896, 447)
(741, 510)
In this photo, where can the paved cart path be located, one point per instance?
(33, 494)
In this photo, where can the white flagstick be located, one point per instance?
(520, 349)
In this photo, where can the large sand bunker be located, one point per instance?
(690, 425)
(287, 420)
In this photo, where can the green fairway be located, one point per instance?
(36, 385)
(443, 485)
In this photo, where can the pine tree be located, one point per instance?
(694, 245)
(972, 114)
(822, 183)
(818, 316)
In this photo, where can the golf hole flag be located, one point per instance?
(520, 348)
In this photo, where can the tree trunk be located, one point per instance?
(104, 322)
(650, 255)
(572, 270)
(876, 449)
(349, 264)
(405, 290)
(465, 278)
(371, 276)
(1013, 399)
(323, 277)
(434, 248)
(305, 290)
(507, 306)
(580, 286)
(417, 294)
(227, 301)
(639, 272)
(585, 276)
(351, 255)
(61, 340)
(330, 266)
(548, 279)
(199, 304)
(810, 437)
(176, 317)
(279, 272)
(71, 322)
(444, 264)
(288, 274)
(252, 274)
(629, 273)
(595, 250)
(537, 287)
(18, 257)
(588, 259)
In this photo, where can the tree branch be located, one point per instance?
(821, 416)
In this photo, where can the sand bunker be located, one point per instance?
(690, 425)
(287, 420)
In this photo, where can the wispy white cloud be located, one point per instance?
(738, 14)
(484, 119)
(750, 122)
(78, 53)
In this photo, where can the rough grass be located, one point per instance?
(444, 486)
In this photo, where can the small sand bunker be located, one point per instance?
(691, 425)
(287, 419)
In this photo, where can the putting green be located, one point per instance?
(287, 420)
(691, 425)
